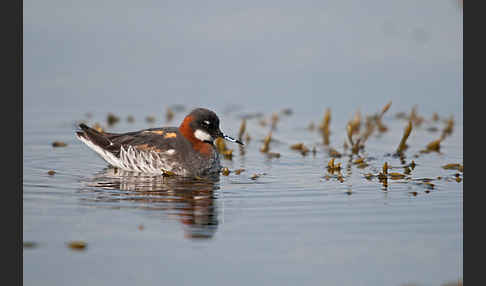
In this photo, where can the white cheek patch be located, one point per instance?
(202, 135)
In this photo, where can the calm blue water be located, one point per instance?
(289, 226)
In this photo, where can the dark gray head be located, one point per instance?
(204, 125)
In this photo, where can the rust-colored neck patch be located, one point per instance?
(198, 145)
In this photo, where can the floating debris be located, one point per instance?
(274, 121)
(425, 182)
(239, 171)
(324, 127)
(350, 127)
(141, 227)
(304, 151)
(369, 176)
(266, 143)
(77, 245)
(432, 146)
(429, 185)
(383, 176)
(58, 144)
(435, 145)
(356, 123)
(222, 149)
(370, 128)
(256, 176)
(435, 117)
(349, 132)
(247, 138)
(356, 146)
(111, 119)
(225, 171)
(228, 154)
(381, 127)
(385, 168)
(415, 118)
(242, 129)
(297, 146)
(385, 109)
(51, 172)
(242, 150)
(169, 115)
(150, 119)
(300, 147)
(331, 167)
(130, 119)
(361, 164)
(340, 178)
(384, 181)
(454, 166)
(396, 176)
(406, 170)
(220, 145)
(403, 146)
(273, 155)
(334, 153)
(449, 128)
(412, 164)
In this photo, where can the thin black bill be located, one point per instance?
(232, 140)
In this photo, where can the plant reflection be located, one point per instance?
(191, 201)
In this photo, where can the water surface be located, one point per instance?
(291, 224)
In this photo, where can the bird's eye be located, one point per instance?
(206, 123)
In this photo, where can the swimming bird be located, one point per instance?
(187, 150)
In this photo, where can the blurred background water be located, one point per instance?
(85, 59)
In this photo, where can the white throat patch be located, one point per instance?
(202, 135)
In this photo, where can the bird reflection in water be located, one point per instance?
(192, 201)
